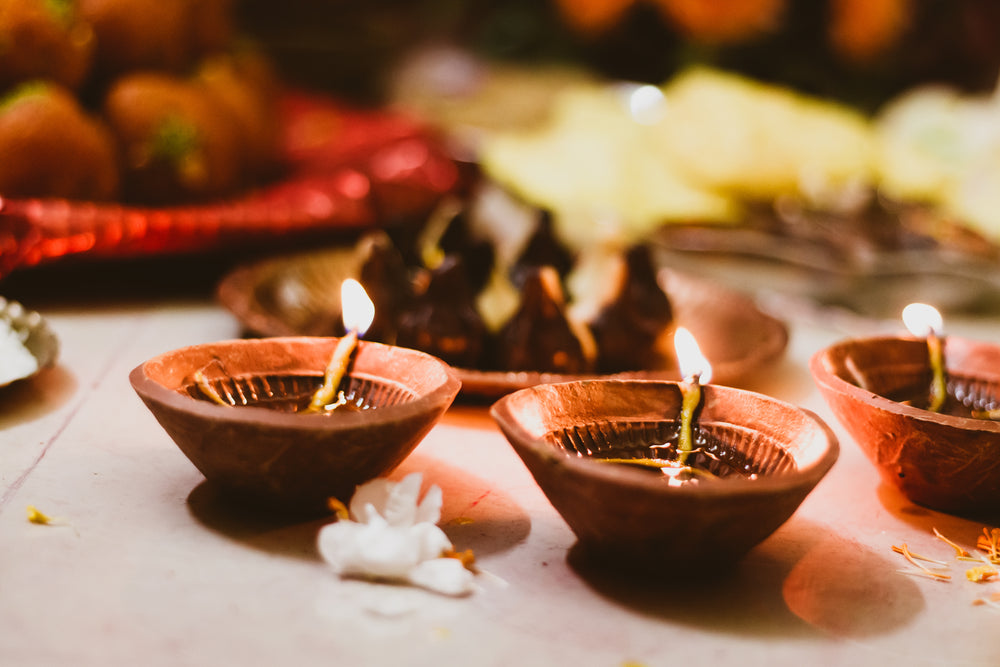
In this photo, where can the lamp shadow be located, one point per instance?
(801, 583)
(474, 515)
(34, 397)
(927, 519)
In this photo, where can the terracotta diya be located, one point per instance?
(879, 389)
(258, 446)
(763, 456)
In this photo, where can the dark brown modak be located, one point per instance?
(540, 336)
(386, 279)
(631, 328)
(543, 248)
(50, 147)
(44, 39)
(442, 320)
(478, 254)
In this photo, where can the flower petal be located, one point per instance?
(429, 509)
(374, 493)
(431, 540)
(401, 505)
(337, 542)
(442, 575)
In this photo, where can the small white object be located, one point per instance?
(392, 535)
(16, 361)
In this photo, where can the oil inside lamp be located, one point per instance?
(358, 313)
(695, 371)
(925, 321)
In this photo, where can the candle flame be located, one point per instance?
(356, 307)
(922, 320)
(692, 362)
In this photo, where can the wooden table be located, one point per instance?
(145, 566)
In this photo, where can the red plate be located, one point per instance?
(348, 169)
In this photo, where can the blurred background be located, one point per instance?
(864, 52)
(847, 149)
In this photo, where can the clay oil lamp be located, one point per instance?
(666, 473)
(290, 422)
(922, 409)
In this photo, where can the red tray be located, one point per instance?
(347, 169)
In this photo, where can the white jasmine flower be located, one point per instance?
(392, 535)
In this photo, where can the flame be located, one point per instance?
(692, 362)
(922, 320)
(356, 308)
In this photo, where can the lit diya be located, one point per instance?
(919, 408)
(925, 321)
(358, 313)
(671, 456)
(259, 439)
(613, 458)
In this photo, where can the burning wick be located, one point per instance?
(358, 313)
(695, 371)
(925, 321)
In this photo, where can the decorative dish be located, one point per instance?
(27, 344)
(346, 169)
(297, 294)
(874, 261)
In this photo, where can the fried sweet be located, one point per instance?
(540, 336)
(176, 141)
(245, 83)
(630, 329)
(443, 320)
(156, 35)
(41, 39)
(51, 147)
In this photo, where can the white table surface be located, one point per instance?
(146, 567)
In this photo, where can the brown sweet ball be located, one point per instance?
(50, 147)
(176, 142)
(213, 26)
(245, 83)
(44, 39)
(164, 35)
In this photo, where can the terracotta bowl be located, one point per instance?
(623, 513)
(948, 461)
(259, 450)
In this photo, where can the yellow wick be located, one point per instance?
(691, 397)
(939, 385)
(658, 464)
(335, 370)
(208, 390)
(338, 508)
(986, 414)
